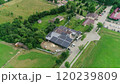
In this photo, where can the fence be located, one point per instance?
(46, 51)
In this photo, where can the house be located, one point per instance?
(90, 19)
(88, 22)
(59, 17)
(63, 36)
(21, 45)
(116, 14)
(93, 16)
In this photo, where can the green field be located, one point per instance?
(33, 59)
(6, 53)
(24, 8)
(104, 53)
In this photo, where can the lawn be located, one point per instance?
(33, 59)
(104, 53)
(45, 21)
(76, 24)
(6, 53)
(24, 8)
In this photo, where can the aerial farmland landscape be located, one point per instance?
(59, 34)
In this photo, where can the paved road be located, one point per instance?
(91, 36)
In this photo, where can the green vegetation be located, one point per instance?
(3, 1)
(33, 60)
(67, 64)
(6, 53)
(76, 24)
(83, 37)
(24, 8)
(103, 53)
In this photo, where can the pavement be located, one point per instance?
(90, 36)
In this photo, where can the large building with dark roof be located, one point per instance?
(63, 36)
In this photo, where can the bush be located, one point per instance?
(64, 55)
(67, 64)
(83, 37)
(58, 61)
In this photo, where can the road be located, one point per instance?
(91, 36)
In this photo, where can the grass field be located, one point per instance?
(104, 53)
(32, 59)
(6, 53)
(24, 8)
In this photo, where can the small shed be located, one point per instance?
(39, 21)
(21, 45)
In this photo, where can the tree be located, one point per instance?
(58, 61)
(99, 25)
(81, 12)
(64, 55)
(67, 64)
(57, 21)
(91, 9)
(55, 1)
(50, 28)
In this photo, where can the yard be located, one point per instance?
(102, 54)
(33, 59)
(76, 24)
(6, 52)
(24, 8)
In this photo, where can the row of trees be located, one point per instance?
(23, 31)
(110, 2)
(3, 1)
(33, 18)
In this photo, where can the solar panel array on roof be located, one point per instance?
(61, 36)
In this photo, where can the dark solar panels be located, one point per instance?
(68, 39)
(63, 37)
(65, 44)
(53, 39)
(59, 41)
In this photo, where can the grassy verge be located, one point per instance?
(6, 53)
(103, 53)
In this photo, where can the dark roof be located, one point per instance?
(88, 22)
(61, 36)
(93, 15)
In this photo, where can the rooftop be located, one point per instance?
(93, 15)
(62, 36)
(88, 22)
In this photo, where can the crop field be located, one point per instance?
(32, 59)
(6, 53)
(24, 8)
(104, 53)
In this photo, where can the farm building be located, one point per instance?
(59, 17)
(21, 45)
(116, 14)
(88, 22)
(93, 16)
(90, 19)
(63, 36)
